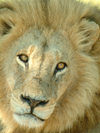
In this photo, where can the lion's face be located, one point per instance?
(44, 69)
(38, 74)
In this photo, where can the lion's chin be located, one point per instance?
(29, 120)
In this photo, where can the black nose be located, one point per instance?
(33, 102)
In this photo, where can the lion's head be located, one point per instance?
(48, 76)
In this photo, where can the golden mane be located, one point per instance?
(57, 13)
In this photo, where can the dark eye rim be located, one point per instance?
(20, 55)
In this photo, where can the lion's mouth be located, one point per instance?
(30, 115)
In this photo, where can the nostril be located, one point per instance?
(43, 103)
(25, 99)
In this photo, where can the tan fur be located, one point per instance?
(50, 31)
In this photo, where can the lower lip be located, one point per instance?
(30, 115)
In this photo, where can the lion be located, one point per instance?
(49, 66)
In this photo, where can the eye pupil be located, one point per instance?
(61, 66)
(23, 58)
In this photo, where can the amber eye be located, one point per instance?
(60, 66)
(24, 58)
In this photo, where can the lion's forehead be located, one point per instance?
(42, 40)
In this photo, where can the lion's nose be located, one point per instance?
(33, 102)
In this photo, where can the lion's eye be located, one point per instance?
(60, 66)
(24, 58)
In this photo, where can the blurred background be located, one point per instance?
(95, 2)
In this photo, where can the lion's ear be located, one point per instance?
(6, 19)
(89, 33)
